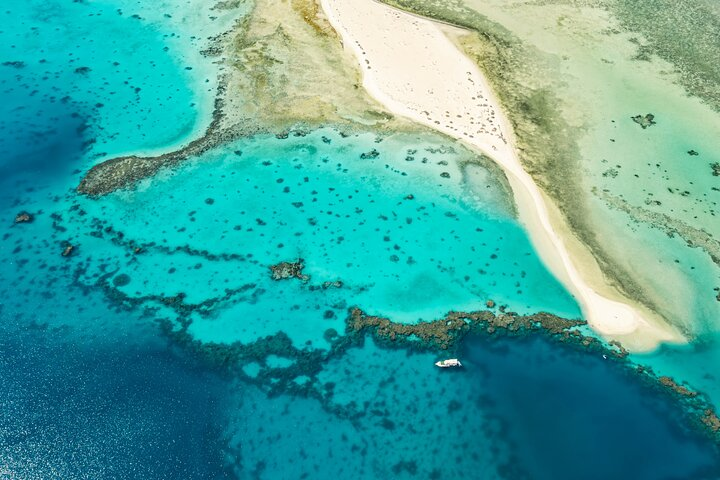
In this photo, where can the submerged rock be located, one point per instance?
(371, 154)
(677, 388)
(330, 334)
(711, 420)
(14, 64)
(644, 120)
(121, 280)
(285, 270)
(622, 352)
(24, 217)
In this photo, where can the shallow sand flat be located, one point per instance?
(412, 67)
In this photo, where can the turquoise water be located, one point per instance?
(115, 83)
(98, 387)
(393, 231)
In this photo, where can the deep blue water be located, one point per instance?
(92, 389)
(520, 409)
(98, 409)
(571, 416)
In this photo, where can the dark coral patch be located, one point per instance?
(121, 280)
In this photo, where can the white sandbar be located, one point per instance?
(416, 71)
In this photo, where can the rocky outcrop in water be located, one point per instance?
(445, 332)
(67, 250)
(711, 420)
(24, 217)
(675, 387)
(715, 169)
(285, 270)
(644, 121)
(371, 154)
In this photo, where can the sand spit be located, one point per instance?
(410, 66)
(274, 65)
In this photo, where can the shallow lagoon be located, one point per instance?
(378, 216)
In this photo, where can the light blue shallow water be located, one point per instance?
(96, 391)
(106, 67)
(391, 230)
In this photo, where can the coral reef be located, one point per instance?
(439, 335)
(285, 270)
(679, 389)
(644, 121)
(24, 217)
(711, 420)
(122, 172)
(445, 332)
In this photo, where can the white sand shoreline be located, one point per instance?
(411, 66)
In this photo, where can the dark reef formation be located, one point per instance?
(711, 420)
(101, 229)
(111, 281)
(285, 270)
(67, 250)
(445, 332)
(679, 389)
(644, 121)
(123, 172)
(24, 217)
(442, 336)
(301, 374)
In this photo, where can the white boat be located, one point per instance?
(450, 362)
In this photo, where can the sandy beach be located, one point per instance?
(412, 67)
